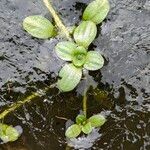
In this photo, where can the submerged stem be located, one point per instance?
(20, 103)
(85, 94)
(85, 103)
(58, 21)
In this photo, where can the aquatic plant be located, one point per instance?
(77, 54)
(9, 133)
(81, 59)
(85, 125)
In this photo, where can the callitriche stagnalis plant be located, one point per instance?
(85, 125)
(9, 133)
(75, 52)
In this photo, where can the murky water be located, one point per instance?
(27, 64)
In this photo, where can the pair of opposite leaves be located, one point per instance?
(84, 34)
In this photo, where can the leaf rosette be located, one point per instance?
(79, 58)
(85, 125)
(8, 133)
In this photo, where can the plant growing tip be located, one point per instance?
(80, 119)
(71, 73)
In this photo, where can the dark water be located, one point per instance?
(28, 64)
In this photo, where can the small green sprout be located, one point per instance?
(8, 133)
(85, 125)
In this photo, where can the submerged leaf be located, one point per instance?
(71, 76)
(87, 128)
(94, 61)
(97, 120)
(8, 133)
(73, 131)
(64, 50)
(96, 11)
(80, 119)
(38, 27)
(85, 33)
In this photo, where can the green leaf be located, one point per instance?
(38, 27)
(97, 120)
(94, 61)
(64, 50)
(96, 11)
(71, 76)
(8, 133)
(87, 128)
(73, 131)
(79, 56)
(85, 33)
(80, 119)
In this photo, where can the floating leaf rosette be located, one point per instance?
(85, 125)
(8, 133)
(79, 58)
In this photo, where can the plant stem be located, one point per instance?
(62, 27)
(20, 103)
(85, 73)
(58, 21)
(85, 103)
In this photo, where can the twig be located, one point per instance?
(62, 118)
(58, 21)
